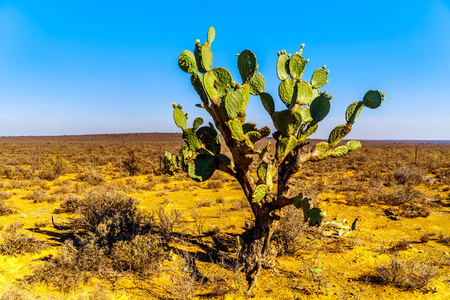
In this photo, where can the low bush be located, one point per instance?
(14, 242)
(406, 274)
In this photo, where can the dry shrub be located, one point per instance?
(70, 203)
(16, 293)
(214, 185)
(408, 176)
(141, 256)
(38, 195)
(415, 211)
(14, 242)
(110, 216)
(72, 266)
(444, 239)
(167, 221)
(289, 234)
(406, 274)
(5, 209)
(5, 196)
(91, 177)
(47, 174)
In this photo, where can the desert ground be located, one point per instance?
(101, 217)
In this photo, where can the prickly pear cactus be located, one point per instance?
(305, 106)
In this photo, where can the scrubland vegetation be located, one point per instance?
(97, 217)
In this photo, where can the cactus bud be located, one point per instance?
(174, 105)
(302, 46)
(180, 106)
(197, 41)
(186, 115)
(307, 60)
(328, 71)
(279, 53)
(324, 67)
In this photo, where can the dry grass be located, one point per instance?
(14, 242)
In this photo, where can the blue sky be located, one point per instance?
(82, 67)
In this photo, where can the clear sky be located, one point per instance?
(82, 67)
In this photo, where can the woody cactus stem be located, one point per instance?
(306, 105)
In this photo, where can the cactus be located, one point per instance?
(226, 102)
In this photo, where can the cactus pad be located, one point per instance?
(320, 107)
(193, 142)
(353, 145)
(253, 136)
(224, 80)
(319, 78)
(203, 167)
(306, 114)
(236, 129)
(233, 102)
(198, 57)
(197, 123)
(259, 193)
(339, 151)
(246, 65)
(209, 137)
(283, 66)
(209, 80)
(262, 171)
(186, 62)
(179, 117)
(211, 35)
(372, 99)
(353, 111)
(257, 83)
(338, 133)
(297, 65)
(267, 102)
(197, 83)
(287, 121)
(304, 93)
(207, 57)
(286, 91)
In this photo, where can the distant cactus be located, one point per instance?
(226, 102)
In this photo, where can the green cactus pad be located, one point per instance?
(246, 127)
(179, 117)
(209, 83)
(320, 107)
(259, 193)
(257, 83)
(190, 136)
(319, 78)
(207, 57)
(338, 133)
(286, 91)
(253, 136)
(245, 90)
(312, 127)
(223, 162)
(267, 102)
(297, 200)
(287, 121)
(304, 93)
(224, 78)
(203, 167)
(186, 62)
(262, 171)
(197, 123)
(372, 99)
(285, 146)
(265, 131)
(246, 65)
(209, 137)
(297, 65)
(321, 147)
(283, 66)
(197, 83)
(306, 114)
(233, 102)
(198, 58)
(339, 151)
(315, 216)
(353, 145)
(211, 35)
(353, 111)
(236, 129)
